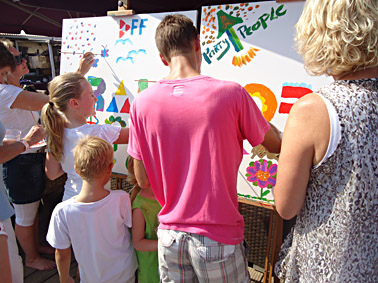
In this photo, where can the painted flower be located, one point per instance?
(262, 173)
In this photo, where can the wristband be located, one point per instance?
(25, 143)
(2, 229)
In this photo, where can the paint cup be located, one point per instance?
(12, 134)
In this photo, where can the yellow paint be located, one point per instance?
(121, 89)
(267, 98)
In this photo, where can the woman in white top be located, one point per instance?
(23, 176)
(18, 109)
(11, 268)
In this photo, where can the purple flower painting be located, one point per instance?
(262, 173)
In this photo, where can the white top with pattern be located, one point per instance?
(335, 238)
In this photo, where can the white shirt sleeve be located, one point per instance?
(127, 213)
(8, 94)
(110, 133)
(57, 234)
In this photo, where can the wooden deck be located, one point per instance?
(52, 196)
(51, 276)
(32, 275)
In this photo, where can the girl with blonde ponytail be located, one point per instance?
(71, 102)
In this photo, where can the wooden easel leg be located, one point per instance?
(267, 254)
(277, 242)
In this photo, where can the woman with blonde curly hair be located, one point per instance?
(327, 175)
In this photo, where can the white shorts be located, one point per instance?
(26, 213)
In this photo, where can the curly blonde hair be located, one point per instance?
(338, 36)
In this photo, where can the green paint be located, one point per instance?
(142, 84)
(94, 81)
(226, 22)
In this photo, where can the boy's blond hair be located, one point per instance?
(92, 157)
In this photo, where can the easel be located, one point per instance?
(275, 221)
(274, 238)
(122, 9)
(118, 178)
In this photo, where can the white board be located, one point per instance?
(126, 54)
(253, 44)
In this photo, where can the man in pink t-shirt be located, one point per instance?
(187, 133)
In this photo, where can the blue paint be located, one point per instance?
(134, 25)
(123, 41)
(134, 52)
(142, 26)
(125, 59)
(113, 106)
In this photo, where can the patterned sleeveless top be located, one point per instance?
(335, 238)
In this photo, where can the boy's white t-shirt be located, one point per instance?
(107, 132)
(99, 235)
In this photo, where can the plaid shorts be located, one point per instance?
(187, 257)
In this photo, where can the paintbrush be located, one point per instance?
(31, 112)
(76, 53)
(145, 81)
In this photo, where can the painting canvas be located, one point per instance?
(253, 44)
(126, 62)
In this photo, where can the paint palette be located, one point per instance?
(39, 144)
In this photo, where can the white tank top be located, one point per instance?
(335, 131)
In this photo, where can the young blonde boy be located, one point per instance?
(96, 222)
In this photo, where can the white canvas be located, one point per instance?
(125, 54)
(253, 44)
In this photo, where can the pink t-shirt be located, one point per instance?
(189, 134)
